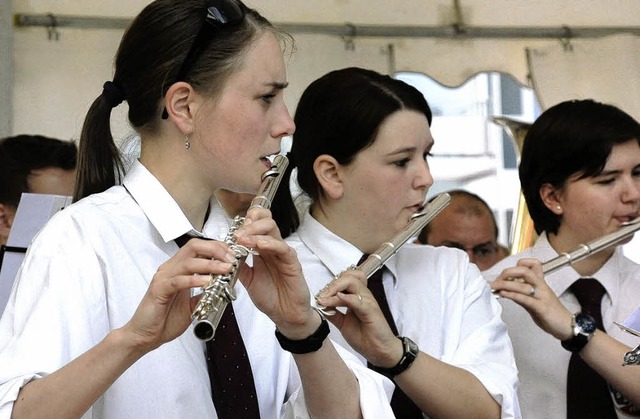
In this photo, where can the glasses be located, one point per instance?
(220, 14)
(480, 252)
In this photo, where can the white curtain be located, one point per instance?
(603, 69)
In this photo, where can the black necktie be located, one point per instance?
(402, 406)
(232, 386)
(587, 392)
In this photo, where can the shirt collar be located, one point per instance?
(158, 205)
(561, 280)
(333, 251)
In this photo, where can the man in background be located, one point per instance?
(468, 224)
(34, 164)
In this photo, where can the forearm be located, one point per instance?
(445, 391)
(330, 388)
(72, 390)
(605, 355)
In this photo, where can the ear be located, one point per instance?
(551, 198)
(327, 170)
(6, 220)
(181, 102)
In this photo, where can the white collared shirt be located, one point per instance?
(437, 299)
(542, 362)
(84, 276)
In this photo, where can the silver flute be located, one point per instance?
(626, 230)
(416, 223)
(220, 290)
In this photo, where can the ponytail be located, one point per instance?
(99, 163)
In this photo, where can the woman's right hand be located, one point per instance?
(165, 310)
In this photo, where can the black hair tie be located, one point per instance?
(112, 94)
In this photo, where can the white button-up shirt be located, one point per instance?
(85, 274)
(436, 298)
(542, 362)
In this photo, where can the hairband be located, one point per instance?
(112, 94)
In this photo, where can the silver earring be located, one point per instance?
(187, 144)
(559, 208)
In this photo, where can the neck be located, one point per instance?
(343, 226)
(168, 161)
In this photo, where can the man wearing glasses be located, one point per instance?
(467, 224)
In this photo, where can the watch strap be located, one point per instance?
(575, 344)
(309, 344)
(409, 354)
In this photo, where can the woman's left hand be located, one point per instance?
(525, 285)
(363, 325)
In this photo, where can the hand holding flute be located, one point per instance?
(525, 284)
(364, 324)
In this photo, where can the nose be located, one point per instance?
(471, 254)
(631, 190)
(284, 124)
(423, 179)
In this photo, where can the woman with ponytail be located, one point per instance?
(99, 321)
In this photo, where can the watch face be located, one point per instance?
(585, 323)
(413, 348)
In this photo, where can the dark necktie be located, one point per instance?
(587, 392)
(232, 386)
(402, 406)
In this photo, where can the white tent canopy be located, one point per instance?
(449, 40)
(563, 48)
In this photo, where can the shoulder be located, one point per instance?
(450, 266)
(429, 256)
(509, 262)
(89, 217)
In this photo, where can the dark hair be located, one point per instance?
(22, 154)
(150, 55)
(340, 114)
(477, 209)
(571, 138)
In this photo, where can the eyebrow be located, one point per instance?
(402, 151)
(278, 85)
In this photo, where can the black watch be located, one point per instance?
(584, 326)
(410, 352)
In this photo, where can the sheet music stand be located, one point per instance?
(33, 211)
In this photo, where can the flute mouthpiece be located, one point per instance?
(630, 222)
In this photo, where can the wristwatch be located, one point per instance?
(584, 326)
(410, 352)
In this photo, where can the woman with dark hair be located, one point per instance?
(580, 176)
(96, 321)
(360, 150)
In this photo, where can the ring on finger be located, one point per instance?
(532, 293)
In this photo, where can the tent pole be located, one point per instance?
(349, 30)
